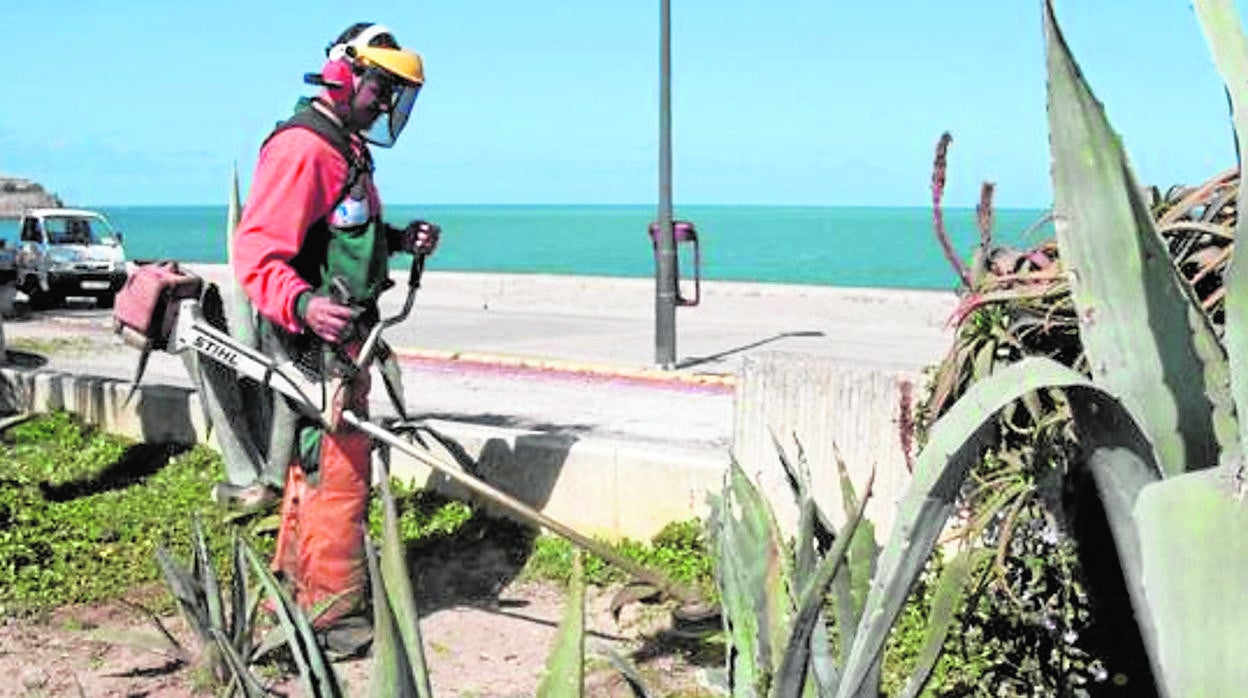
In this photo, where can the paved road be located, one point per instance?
(576, 354)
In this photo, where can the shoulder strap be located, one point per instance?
(313, 120)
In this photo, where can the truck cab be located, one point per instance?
(65, 252)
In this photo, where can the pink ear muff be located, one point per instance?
(337, 78)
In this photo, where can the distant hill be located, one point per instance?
(17, 195)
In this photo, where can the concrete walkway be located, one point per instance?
(577, 353)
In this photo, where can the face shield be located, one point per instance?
(395, 100)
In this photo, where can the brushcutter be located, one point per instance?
(159, 309)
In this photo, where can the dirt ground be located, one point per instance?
(489, 648)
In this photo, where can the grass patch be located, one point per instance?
(81, 512)
(678, 551)
(51, 345)
(422, 514)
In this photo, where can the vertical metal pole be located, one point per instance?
(665, 272)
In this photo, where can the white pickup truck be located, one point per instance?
(69, 252)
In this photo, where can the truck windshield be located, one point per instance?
(76, 231)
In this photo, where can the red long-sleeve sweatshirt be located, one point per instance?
(297, 176)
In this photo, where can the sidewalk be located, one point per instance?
(577, 354)
(542, 351)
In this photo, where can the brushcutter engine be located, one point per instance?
(146, 309)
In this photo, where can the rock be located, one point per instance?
(17, 195)
(34, 678)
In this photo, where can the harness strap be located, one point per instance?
(311, 118)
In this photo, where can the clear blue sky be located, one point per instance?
(550, 101)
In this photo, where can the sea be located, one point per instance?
(883, 247)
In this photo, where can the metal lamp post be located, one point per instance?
(665, 267)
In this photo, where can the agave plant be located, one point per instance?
(774, 600)
(223, 631)
(1158, 420)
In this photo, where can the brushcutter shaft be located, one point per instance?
(524, 511)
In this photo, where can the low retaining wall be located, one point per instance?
(607, 488)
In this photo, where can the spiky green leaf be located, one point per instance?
(397, 582)
(186, 591)
(795, 662)
(1193, 533)
(243, 677)
(754, 583)
(1220, 22)
(565, 667)
(242, 611)
(390, 675)
(1147, 340)
(950, 588)
(208, 579)
(315, 671)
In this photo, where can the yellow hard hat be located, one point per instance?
(401, 63)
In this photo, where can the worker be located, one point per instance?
(311, 253)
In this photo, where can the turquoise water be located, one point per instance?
(835, 246)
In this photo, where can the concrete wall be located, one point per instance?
(602, 487)
(829, 409)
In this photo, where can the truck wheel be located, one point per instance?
(36, 299)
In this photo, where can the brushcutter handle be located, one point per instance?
(369, 350)
(417, 271)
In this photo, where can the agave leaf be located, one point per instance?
(1220, 22)
(397, 582)
(187, 592)
(629, 672)
(1120, 474)
(1147, 340)
(314, 669)
(754, 583)
(211, 584)
(390, 676)
(1193, 533)
(161, 643)
(950, 587)
(242, 675)
(240, 630)
(791, 674)
(565, 667)
(863, 550)
(804, 542)
(241, 319)
(954, 444)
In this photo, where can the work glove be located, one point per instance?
(420, 237)
(326, 318)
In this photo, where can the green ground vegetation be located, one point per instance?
(82, 512)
